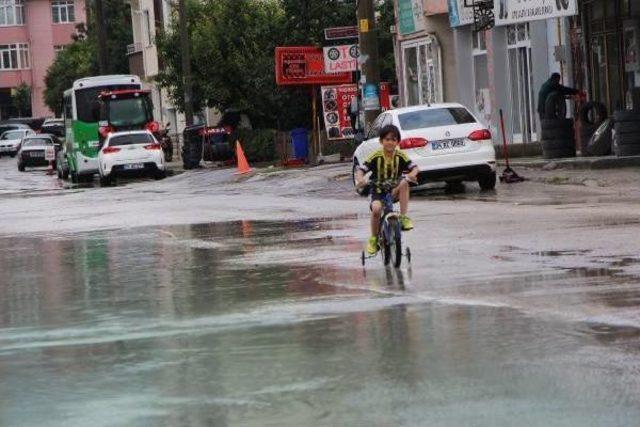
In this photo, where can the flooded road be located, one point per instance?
(211, 325)
(204, 300)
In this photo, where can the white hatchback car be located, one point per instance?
(129, 153)
(11, 139)
(446, 141)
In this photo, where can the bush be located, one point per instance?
(259, 145)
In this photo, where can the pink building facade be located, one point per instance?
(31, 33)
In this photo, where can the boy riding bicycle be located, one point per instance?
(387, 163)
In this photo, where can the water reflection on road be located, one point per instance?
(222, 324)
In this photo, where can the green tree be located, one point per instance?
(80, 58)
(77, 60)
(21, 100)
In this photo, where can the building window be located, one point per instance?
(147, 27)
(14, 56)
(63, 11)
(481, 76)
(11, 12)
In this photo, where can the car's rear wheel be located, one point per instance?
(105, 181)
(160, 175)
(487, 181)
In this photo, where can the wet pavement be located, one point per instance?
(203, 300)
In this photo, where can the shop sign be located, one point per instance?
(340, 59)
(304, 65)
(459, 15)
(336, 105)
(336, 102)
(371, 97)
(509, 12)
(340, 33)
(410, 16)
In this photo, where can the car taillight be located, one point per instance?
(110, 150)
(152, 127)
(153, 147)
(480, 135)
(413, 143)
(104, 131)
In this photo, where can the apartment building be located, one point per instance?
(148, 18)
(31, 33)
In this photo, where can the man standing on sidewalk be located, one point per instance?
(550, 86)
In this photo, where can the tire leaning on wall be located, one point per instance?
(627, 133)
(591, 116)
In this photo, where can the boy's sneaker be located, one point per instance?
(406, 223)
(372, 245)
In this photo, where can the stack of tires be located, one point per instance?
(192, 146)
(626, 140)
(558, 134)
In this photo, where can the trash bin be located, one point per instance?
(192, 146)
(300, 141)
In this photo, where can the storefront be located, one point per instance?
(423, 38)
(611, 39)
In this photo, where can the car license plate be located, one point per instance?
(134, 166)
(447, 144)
(37, 154)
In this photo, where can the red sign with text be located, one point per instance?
(304, 65)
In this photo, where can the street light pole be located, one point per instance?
(370, 69)
(186, 64)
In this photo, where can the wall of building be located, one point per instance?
(42, 35)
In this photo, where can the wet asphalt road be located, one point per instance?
(207, 300)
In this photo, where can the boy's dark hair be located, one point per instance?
(389, 129)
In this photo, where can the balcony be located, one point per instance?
(134, 48)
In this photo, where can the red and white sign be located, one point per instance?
(340, 59)
(49, 154)
(336, 101)
(336, 104)
(304, 65)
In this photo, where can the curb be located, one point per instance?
(609, 162)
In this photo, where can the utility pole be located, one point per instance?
(186, 64)
(102, 37)
(370, 71)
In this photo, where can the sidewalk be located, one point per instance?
(605, 162)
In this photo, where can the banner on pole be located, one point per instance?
(341, 59)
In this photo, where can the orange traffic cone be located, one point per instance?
(243, 164)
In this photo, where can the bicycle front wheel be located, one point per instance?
(393, 244)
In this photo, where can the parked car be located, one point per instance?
(54, 127)
(10, 140)
(130, 153)
(33, 148)
(446, 141)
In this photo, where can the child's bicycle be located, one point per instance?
(390, 232)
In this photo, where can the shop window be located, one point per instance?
(422, 72)
(11, 12)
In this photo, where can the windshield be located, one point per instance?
(87, 103)
(129, 111)
(136, 138)
(32, 142)
(435, 118)
(13, 135)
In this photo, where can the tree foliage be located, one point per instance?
(232, 54)
(80, 58)
(21, 99)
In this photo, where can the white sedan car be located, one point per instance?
(446, 141)
(130, 153)
(11, 139)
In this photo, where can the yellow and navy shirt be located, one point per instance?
(383, 169)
